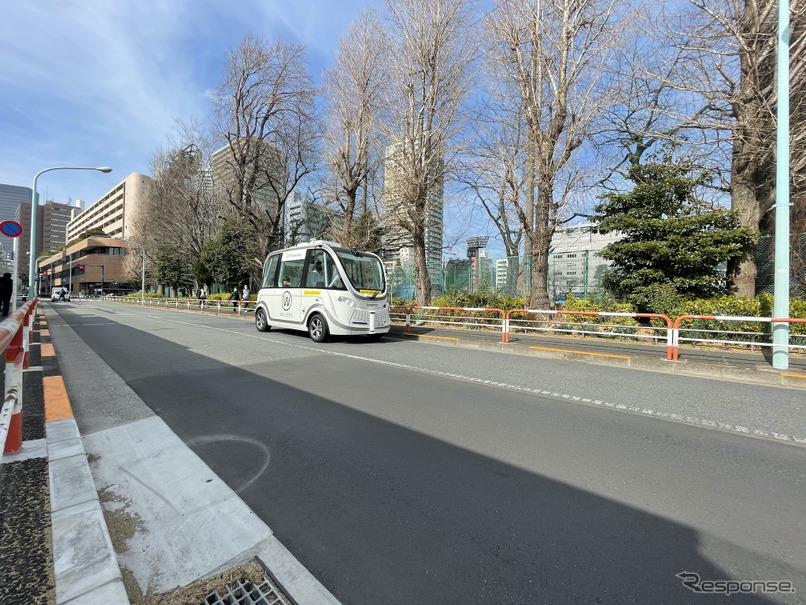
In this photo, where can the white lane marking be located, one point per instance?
(694, 420)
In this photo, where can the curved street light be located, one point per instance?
(32, 261)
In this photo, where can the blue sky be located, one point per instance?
(100, 82)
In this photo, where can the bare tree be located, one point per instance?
(266, 112)
(180, 210)
(432, 49)
(652, 113)
(494, 171)
(731, 60)
(732, 48)
(550, 55)
(353, 88)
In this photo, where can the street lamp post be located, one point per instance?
(34, 286)
(780, 331)
(32, 262)
(143, 272)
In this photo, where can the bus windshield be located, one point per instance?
(364, 271)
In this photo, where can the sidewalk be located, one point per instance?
(54, 544)
(122, 510)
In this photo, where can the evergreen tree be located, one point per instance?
(672, 240)
(225, 259)
(172, 268)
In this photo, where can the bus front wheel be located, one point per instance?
(317, 328)
(261, 321)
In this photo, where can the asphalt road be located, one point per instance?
(396, 475)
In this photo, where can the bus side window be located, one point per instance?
(270, 272)
(316, 269)
(290, 274)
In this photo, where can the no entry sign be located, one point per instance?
(11, 228)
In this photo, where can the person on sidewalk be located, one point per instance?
(234, 298)
(202, 298)
(6, 290)
(245, 296)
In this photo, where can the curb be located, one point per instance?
(191, 524)
(85, 565)
(761, 375)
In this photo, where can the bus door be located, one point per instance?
(286, 302)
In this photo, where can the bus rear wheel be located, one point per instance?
(317, 328)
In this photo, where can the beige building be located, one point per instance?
(225, 175)
(96, 264)
(115, 211)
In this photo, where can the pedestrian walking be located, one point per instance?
(6, 290)
(245, 296)
(202, 298)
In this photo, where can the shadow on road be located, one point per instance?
(380, 513)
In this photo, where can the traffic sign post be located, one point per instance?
(13, 229)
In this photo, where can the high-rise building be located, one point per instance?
(397, 238)
(54, 217)
(114, 213)
(225, 175)
(501, 272)
(11, 197)
(305, 220)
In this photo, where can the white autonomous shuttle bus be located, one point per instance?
(325, 289)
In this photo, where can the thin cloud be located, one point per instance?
(101, 82)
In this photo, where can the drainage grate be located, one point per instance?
(246, 593)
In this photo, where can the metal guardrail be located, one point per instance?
(15, 340)
(728, 318)
(521, 324)
(498, 319)
(240, 307)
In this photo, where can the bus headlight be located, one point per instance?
(346, 301)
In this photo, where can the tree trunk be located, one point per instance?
(540, 247)
(742, 271)
(422, 281)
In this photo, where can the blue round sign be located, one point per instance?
(11, 228)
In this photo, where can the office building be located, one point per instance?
(397, 238)
(305, 220)
(96, 264)
(11, 197)
(51, 228)
(114, 213)
(574, 265)
(226, 176)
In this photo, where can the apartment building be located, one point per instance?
(226, 177)
(114, 212)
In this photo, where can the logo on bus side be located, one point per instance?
(286, 300)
